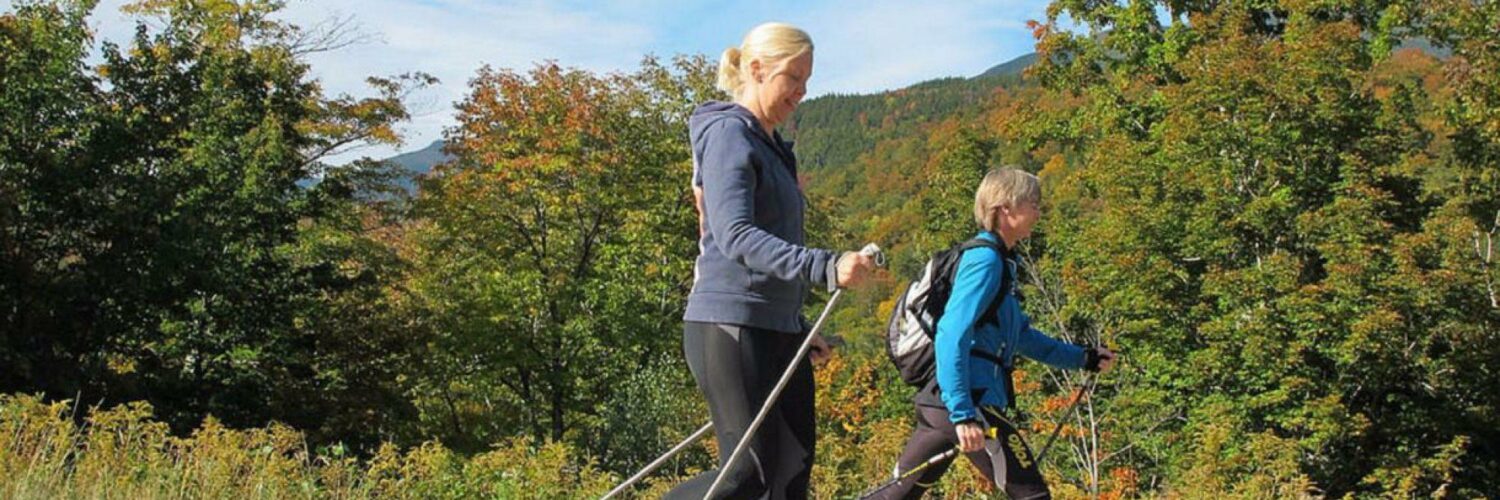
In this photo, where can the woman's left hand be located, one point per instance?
(1106, 359)
(821, 351)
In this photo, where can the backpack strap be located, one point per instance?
(1006, 280)
(990, 313)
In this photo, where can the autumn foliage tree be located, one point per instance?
(1247, 208)
(553, 256)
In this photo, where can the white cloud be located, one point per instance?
(869, 46)
(863, 45)
(450, 39)
(453, 39)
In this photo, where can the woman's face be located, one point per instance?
(779, 88)
(1019, 220)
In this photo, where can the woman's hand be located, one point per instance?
(1106, 359)
(821, 351)
(853, 268)
(970, 436)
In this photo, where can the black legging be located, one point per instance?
(736, 367)
(1005, 453)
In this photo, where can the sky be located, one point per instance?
(863, 46)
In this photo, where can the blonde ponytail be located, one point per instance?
(770, 43)
(729, 70)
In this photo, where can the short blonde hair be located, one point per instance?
(771, 43)
(1004, 186)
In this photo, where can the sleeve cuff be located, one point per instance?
(959, 417)
(1091, 359)
(831, 272)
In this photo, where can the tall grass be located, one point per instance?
(121, 452)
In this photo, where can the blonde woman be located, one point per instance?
(743, 322)
(966, 405)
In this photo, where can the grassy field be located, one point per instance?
(122, 453)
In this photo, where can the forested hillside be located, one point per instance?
(832, 131)
(1284, 220)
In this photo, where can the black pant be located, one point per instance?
(1005, 459)
(736, 368)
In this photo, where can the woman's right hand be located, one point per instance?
(853, 268)
(970, 436)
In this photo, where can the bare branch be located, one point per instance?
(1132, 442)
(332, 33)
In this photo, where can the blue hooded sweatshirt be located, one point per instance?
(752, 269)
(965, 381)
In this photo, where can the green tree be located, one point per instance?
(45, 96)
(1249, 215)
(154, 242)
(553, 256)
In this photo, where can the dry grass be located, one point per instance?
(122, 453)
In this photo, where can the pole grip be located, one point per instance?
(873, 250)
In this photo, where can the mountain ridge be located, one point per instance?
(421, 161)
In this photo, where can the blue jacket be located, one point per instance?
(752, 267)
(960, 374)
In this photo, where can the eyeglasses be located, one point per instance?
(1034, 205)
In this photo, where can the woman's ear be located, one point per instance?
(757, 71)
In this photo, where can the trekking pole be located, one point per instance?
(660, 460)
(951, 452)
(989, 433)
(870, 250)
(938, 458)
(1089, 387)
(935, 460)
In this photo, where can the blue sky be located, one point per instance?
(864, 46)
